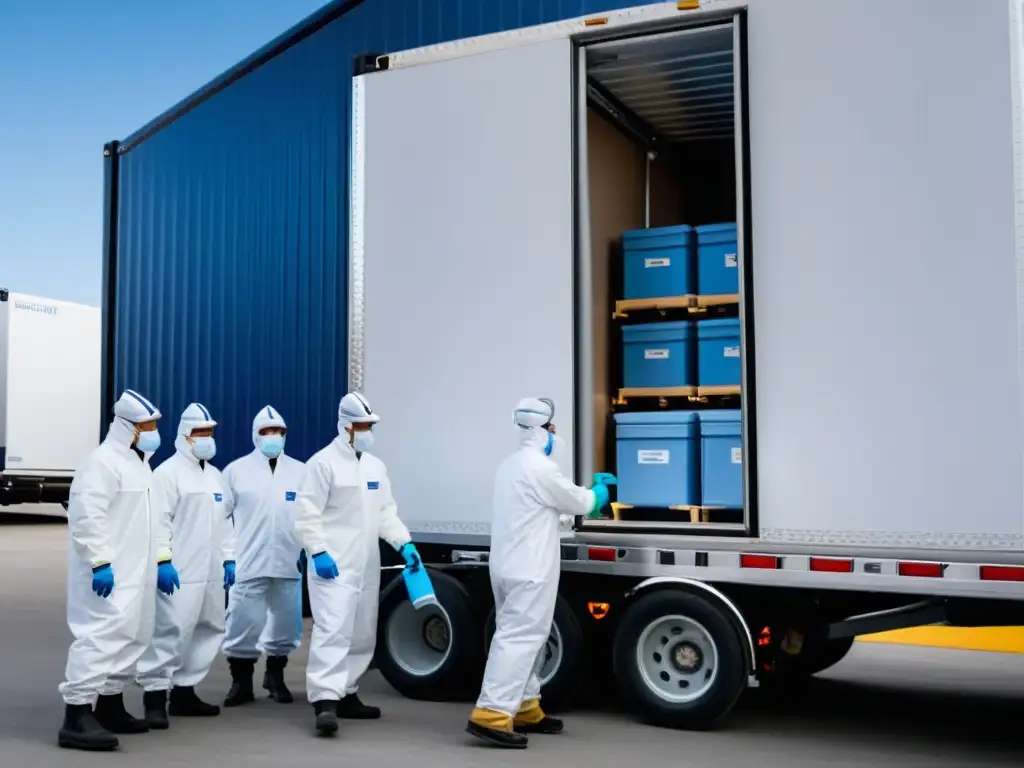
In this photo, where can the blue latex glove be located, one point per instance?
(601, 498)
(325, 566)
(103, 580)
(411, 555)
(167, 578)
(229, 574)
(605, 478)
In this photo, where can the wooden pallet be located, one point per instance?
(693, 305)
(697, 514)
(667, 396)
(661, 394)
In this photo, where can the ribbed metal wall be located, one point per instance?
(233, 227)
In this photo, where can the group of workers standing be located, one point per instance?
(153, 551)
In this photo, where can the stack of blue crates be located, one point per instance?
(681, 458)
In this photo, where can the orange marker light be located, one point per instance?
(598, 610)
(596, 22)
(688, 5)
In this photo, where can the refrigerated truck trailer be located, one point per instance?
(49, 395)
(870, 155)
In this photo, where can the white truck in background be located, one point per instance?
(49, 395)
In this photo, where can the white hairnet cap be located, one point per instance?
(534, 412)
(267, 417)
(195, 417)
(133, 407)
(354, 409)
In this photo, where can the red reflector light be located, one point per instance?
(604, 554)
(1002, 573)
(759, 561)
(831, 565)
(924, 570)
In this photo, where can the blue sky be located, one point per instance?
(75, 74)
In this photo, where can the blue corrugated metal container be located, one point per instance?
(226, 222)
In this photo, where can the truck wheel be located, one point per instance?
(679, 660)
(431, 654)
(561, 668)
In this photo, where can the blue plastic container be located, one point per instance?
(658, 262)
(419, 587)
(718, 353)
(721, 459)
(658, 355)
(717, 260)
(656, 457)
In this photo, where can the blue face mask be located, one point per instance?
(271, 446)
(148, 442)
(549, 446)
(204, 448)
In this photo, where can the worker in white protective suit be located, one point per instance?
(267, 594)
(530, 493)
(345, 506)
(190, 627)
(119, 555)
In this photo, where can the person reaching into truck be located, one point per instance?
(530, 493)
(345, 505)
(119, 556)
(267, 595)
(190, 628)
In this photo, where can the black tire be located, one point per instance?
(815, 656)
(451, 672)
(730, 681)
(559, 691)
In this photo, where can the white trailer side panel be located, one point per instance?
(53, 385)
(883, 237)
(463, 219)
(886, 272)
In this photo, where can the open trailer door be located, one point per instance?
(461, 266)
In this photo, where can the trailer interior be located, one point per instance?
(661, 150)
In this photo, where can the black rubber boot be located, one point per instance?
(497, 737)
(547, 725)
(81, 731)
(273, 680)
(185, 703)
(326, 717)
(351, 708)
(111, 714)
(241, 682)
(155, 703)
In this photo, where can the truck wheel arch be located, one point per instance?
(729, 608)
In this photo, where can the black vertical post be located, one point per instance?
(111, 179)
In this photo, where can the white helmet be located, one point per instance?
(534, 412)
(195, 417)
(354, 409)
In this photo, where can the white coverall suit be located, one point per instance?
(190, 623)
(346, 505)
(114, 518)
(268, 586)
(530, 492)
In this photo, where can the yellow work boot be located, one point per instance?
(531, 719)
(495, 728)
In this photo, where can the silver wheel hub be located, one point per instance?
(419, 641)
(677, 659)
(552, 656)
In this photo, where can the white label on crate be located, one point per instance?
(731, 261)
(655, 354)
(737, 455)
(648, 263)
(652, 457)
(731, 352)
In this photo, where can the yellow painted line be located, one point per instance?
(998, 639)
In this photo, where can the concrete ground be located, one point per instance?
(883, 706)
